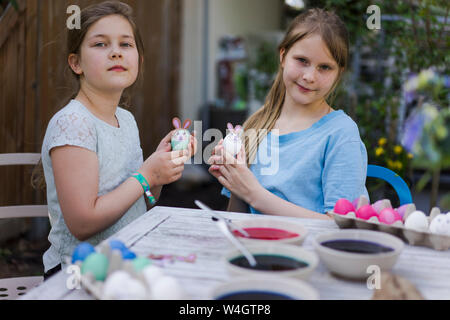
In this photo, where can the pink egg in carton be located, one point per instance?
(405, 222)
(380, 211)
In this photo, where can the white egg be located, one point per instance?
(232, 143)
(121, 286)
(114, 284)
(417, 220)
(167, 288)
(441, 224)
(152, 274)
(135, 290)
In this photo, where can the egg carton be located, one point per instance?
(410, 236)
(117, 263)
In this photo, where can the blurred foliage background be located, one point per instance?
(412, 44)
(395, 74)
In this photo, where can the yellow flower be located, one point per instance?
(398, 165)
(382, 141)
(410, 156)
(398, 149)
(379, 151)
(391, 164)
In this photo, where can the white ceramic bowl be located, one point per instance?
(277, 249)
(273, 223)
(290, 288)
(355, 265)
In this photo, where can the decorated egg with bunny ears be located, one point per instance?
(181, 137)
(232, 142)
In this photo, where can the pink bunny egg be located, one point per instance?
(366, 212)
(232, 142)
(343, 206)
(389, 216)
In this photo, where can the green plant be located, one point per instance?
(412, 38)
(392, 156)
(380, 138)
(264, 68)
(240, 79)
(427, 129)
(5, 253)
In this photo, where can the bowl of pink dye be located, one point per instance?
(271, 230)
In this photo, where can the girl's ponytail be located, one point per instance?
(264, 118)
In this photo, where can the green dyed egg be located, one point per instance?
(140, 263)
(97, 264)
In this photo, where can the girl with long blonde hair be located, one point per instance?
(319, 153)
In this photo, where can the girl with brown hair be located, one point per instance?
(318, 153)
(91, 154)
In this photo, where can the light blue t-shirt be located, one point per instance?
(119, 154)
(315, 167)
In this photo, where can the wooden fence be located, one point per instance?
(33, 84)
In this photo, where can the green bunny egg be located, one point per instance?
(180, 140)
(97, 264)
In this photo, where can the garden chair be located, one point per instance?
(399, 185)
(12, 288)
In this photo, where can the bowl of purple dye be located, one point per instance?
(274, 259)
(263, 288)
(357, 254)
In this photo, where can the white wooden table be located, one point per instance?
(178, 231)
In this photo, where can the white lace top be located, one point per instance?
(119, 155)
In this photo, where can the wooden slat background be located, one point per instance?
(33, 84)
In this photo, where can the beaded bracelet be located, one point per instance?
(139, 177)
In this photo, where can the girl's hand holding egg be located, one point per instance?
(216, 160)
(232, 144)
(165, 144)
(234, 174)
(193, 145)
(164, 167)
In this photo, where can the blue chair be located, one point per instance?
(399, 185)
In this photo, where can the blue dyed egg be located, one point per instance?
(82, 251)
(117, 245)
(128, 255)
